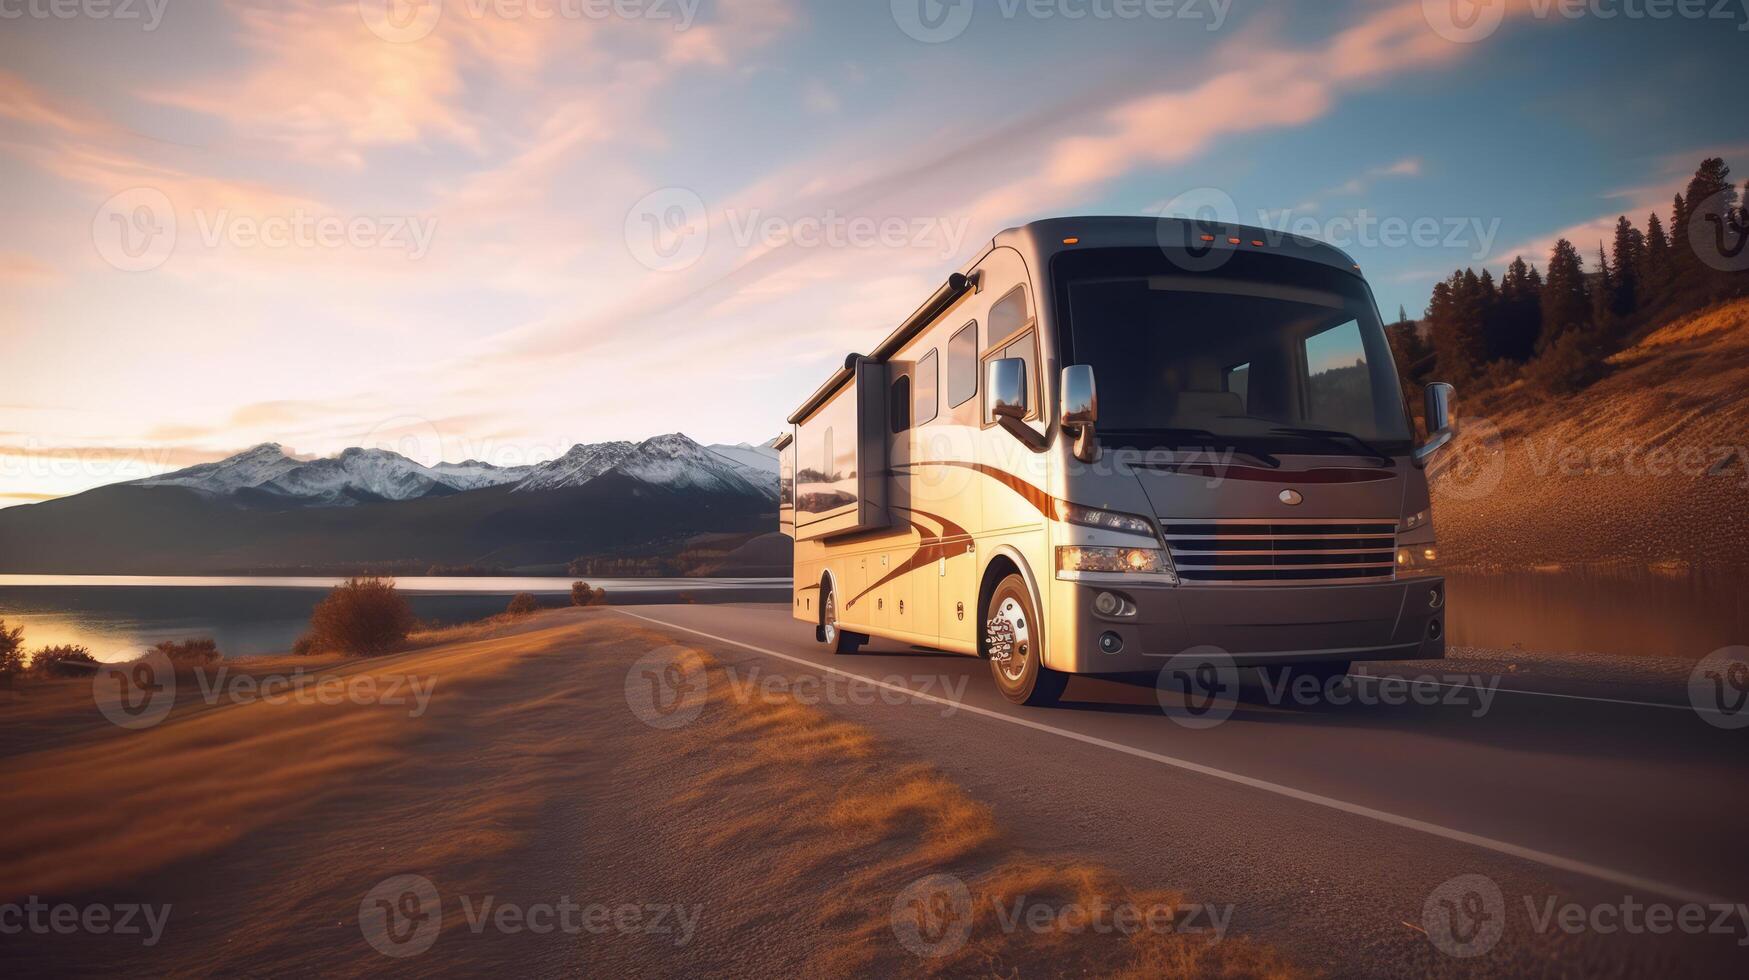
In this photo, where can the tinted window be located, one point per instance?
(928, 377)
(1009, 314)
(962, 365)
(899, 404)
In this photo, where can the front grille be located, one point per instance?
(1281, 552)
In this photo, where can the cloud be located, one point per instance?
(22, 269)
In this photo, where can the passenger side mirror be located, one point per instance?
(1005, 393)
(1442, 423)
(1005, 381)
(1081, 409)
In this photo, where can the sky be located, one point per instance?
(492, 229)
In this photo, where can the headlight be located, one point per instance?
(1107, 520)
(1074, 561)
(1417, 559)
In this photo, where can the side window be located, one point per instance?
(899, 403)
(1009, 314)
(928, 406)
(962, 365)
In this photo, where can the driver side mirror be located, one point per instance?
(1442, 423)
(1081, 409)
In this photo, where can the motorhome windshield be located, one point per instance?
(1265, 352)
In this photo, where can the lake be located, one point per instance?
(118, 616)
(1636, 612)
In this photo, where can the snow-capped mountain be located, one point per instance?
(249, 468)
(473, 475)
(267, 475)
(672, 461)
(355, 476)
(584, 462)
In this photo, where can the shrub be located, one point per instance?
(361, 616)
(583, 595)
(63, 661)
(304, 646)
(522, 603)
(189, 653)
(1570, 364)
(11, 653)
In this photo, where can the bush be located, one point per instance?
(63, 661)
(189, 653)
(583, 595)
(11, 653)
(1570, 364)
(361, 616)
(522, 603)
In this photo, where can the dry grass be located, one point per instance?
(265, 824)
(867, 824)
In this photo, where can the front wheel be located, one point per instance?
(1013, 640)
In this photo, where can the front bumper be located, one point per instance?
(1261, 625)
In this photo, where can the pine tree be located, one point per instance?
(1513, 331)
(1655, 271)
(1402, 313)
(1602, 296)
(1630, 249)
(1566, 305)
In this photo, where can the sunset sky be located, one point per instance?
(494, 228)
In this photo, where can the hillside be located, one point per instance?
(1648, 466)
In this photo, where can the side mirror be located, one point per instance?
(1081, 409)
(1005, 382)
(1442, 423)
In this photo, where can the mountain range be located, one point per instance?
(265, 509)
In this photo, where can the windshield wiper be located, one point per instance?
(1172, 435)
(1337, 437)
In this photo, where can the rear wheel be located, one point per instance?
(836, 638)
(1013, 641)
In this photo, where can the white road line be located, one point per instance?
(1556, 861)
(1582, 697)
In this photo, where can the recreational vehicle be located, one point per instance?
(1107, 441)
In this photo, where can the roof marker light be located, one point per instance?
(1071, 241)
(1232, 241)
(1208, 238)
(1257, 243)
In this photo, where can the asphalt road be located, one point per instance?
(1613, 831)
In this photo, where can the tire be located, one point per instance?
(1022, 676)
(837, 639)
